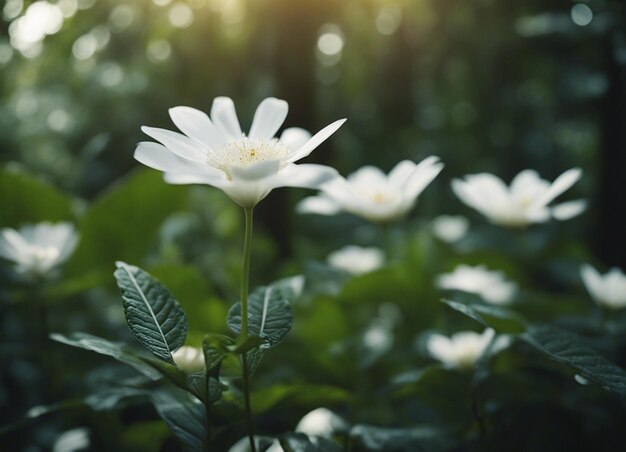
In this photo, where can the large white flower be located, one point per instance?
(492, 286)
(608, 290)
(214, 151)
(524, 202)
(371, 194)
(37, 249)
(357, 260)
(461, 350)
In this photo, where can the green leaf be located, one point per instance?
(26, 199)
(117, 351)
(184, 415)
(215, 348)
(153, 315)
(568, 349)
(398, 439)
(124, 223)
(500, 319)
(299, 442)
(300, 395)
(269, 316)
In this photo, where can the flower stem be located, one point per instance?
(245, 271)
(245, 274)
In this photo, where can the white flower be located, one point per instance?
(214, 151)
(524, 202)
(461, 350)
(492, 286)
(450, 228)
(320, 422)
(189, 359)
(37, 249)
(357, 260)
(371, 194)
(607, 290)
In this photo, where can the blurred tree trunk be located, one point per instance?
(611, 178)
(297, 25)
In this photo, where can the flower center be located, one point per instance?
(245, 152)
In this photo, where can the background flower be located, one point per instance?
(608, 290)
(461, 350)
(373, 195)
(492, 286)
(214, 151)
(450, 228)
(522, 203)
(357, 260)
(37, 249)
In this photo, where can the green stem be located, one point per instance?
(245, 274)
(245, 271)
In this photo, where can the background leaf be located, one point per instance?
(153, 315)
(27, 199)
(568, 349)
(500, 319)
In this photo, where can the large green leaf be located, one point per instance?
(269, 315)
(153, 315)
(26, 199)
(500, 319)
(184, 415)
(124, 222)
(569, 350)
(117, 351)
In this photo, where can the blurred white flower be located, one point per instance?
(371, 194)
(450, 228)
(320, 422)
(522, 203)
(492, 286)
(608, 290)
(72, 441)
(214, 151)
(37, 249)
(189, 359)
(461, 350)
(357, 260)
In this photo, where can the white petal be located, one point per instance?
(321, 205)
(400, 173)
(570, 209)
(184, 179)
(268, 118)
(562, 183)
(15, 245)
(593, 282)
(420, 179)
(304, 176)
(524, 179)
(294, 138)
(224, 117)
(256, 171)
(161, 158)
(315, 141)
(181, 145)
(197, 125)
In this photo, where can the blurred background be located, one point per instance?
(485, 85)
